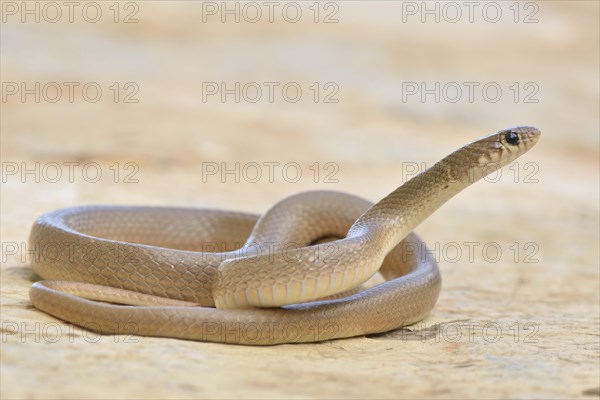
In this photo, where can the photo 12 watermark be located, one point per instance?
(52, 12)
(525, 332)
(66, 251)
(472, 252)
(469, 92)
(452, 12)
(252, 12)
(70, 92)
(55, 332)
(517, 172)
(269, 172)
(69, 172)
(270, 92)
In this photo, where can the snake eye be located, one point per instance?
(512, 138)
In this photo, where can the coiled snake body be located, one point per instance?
(293, 274)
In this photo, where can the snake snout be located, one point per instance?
(527, 136)
(514, 141)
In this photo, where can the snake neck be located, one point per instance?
(396, 215)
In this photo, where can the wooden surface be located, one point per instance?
(546, 310)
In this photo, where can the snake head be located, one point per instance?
(504, 146)
(518, 139)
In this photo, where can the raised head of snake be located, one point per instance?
(372, 236)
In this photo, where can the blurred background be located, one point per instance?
(235, 105)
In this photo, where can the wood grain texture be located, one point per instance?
(503, 327)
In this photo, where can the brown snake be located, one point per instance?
(292, 275)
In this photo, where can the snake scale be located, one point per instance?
(294, 274)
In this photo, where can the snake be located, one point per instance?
(298, 273)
